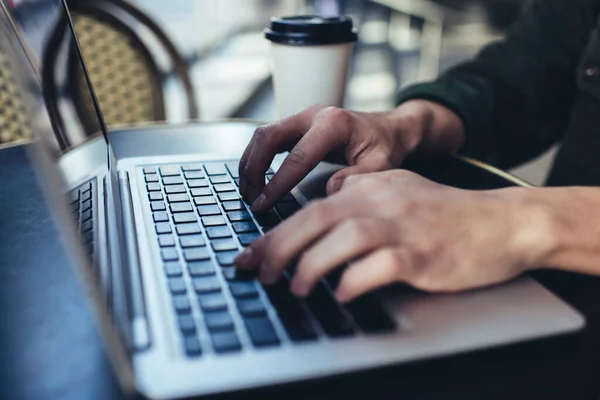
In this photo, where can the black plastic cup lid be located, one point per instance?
(311, 30)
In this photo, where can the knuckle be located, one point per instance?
(338, 116)
(319, 211)
(296, 157)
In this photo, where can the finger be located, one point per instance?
(374, 162)
(342, 244)
(326, 134)
(378, 269)
(267, 142)
(242, 166)
(276, 250)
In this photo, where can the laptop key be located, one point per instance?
(197, 183)
(154, 196)
(166, 241)
(244, 227)
(204, 200)
(218, 232)
(184, 218)
(226, 258)
(158, 206)
(251, 308)
(213, 220)
(233, 167)
(224, 187)
(74, 207)
(233, 205)
(239, 216)
(169, 170)
(196, 254)
(192, 346)
(150, 178)
(173, 189)
(201, 192)
(149, 170)
(369, 315)
(192, 167)
(181, 207)
(209, 284)
(172, 269)
(212, 302)
(209, 210)
(201, 268)
(219, 179)
(193, 174)
(188, 229)
(291, 314)
(218, 321)
(246, 239)
(268, 219)
(88, 236)
(87, 226)
(327, 311)
(160, 216)
(187, 325)
(261, 332)
(162, 227)
(172, 180)
(215, 168)
(181, 304)
(153, 187)
(177, 286)
(225, 342)
(191, 241)
(177, 198)
(228, 196)
(87, 195)
(223, 244)
(243, 290)
(169, 254)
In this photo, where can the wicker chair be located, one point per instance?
(126, 77)
(13, 117)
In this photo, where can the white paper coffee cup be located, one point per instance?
(311, 60)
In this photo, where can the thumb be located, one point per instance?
(365, 166)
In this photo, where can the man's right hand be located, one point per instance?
(366, 142)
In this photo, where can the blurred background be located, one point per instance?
(177, 60)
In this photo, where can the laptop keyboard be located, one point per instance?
(201, 224)
(81, 202)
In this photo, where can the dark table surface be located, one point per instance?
(50, 349)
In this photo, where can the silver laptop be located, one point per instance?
(153, 239)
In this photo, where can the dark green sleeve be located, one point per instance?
(515, 97)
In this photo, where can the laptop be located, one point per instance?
(153, 240)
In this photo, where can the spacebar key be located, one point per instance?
(328, 313)
(293, 318)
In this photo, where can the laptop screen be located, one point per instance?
(38, 52)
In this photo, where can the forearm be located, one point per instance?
(571, 225)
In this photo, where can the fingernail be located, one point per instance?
(258, 203)
(337, 184)
(341, 295)
(244, 259)
(298, 288)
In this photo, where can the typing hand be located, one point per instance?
(367, 142)
(396, 226)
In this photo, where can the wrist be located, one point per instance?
(423, 125)
(534, 224)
